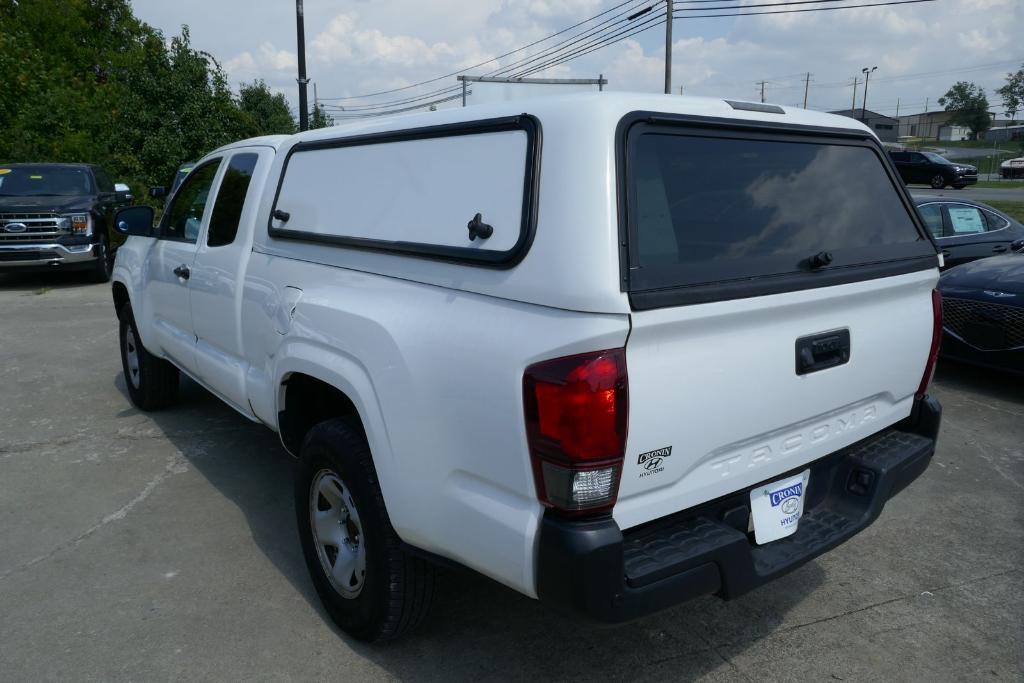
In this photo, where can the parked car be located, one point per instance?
(58, 216)
(931, 169)
(983, 312)
(966, 230)
(608, 396)
(1012, 168)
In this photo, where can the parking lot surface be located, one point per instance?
(137, 547)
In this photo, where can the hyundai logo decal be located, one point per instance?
(998, 295)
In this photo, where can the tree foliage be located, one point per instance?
(1012, 93)
(268, 113)
(970, 106)
(320, 118)
(85, 80)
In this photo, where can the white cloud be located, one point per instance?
(388, 44)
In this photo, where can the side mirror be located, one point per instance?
(122, 192)
(134, 220)
(1017, 246)
(157, 192)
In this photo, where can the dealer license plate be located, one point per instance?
(776, 508)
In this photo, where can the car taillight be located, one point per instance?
(576, 411)
(933, 352)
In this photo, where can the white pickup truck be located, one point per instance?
(614, 351)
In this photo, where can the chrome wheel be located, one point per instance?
(337, 533)
(131, 355)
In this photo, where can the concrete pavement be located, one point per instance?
(140, 547)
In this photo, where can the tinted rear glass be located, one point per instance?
(709, 209)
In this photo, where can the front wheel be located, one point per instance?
(938, 182)
(370, 586)
(152, 382)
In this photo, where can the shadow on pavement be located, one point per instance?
(980, 381)
(509, 635)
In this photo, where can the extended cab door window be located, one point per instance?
(227, 209)
(184, 216)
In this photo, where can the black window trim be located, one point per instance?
(632, 123)
(170, 203)
(463, 255)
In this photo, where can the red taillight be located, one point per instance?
(576, 416)
(933, 352)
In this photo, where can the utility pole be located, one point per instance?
(864, 103)
(926, 105)
(680, 90)
(853, 103)
(668, 46)
(761, 83)
(897, 107)
(807, 85)
(300, 30)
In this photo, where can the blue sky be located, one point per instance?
(356, 47)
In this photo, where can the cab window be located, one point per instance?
(227, 210)
(184, 216)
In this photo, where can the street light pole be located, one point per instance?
(864, 102)
(668, 47)
(300, 30)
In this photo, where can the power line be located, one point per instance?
(793, 11)
(489, 61)
(596, 38)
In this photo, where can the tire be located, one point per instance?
(99, 272)
(378, 591)
(152, 382)
(937, 182)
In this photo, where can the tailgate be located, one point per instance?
(781, 285)
(716, 403)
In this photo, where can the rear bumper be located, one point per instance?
(596, 569)
(45, 255)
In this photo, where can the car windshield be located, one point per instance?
(936, 159)
(44, 181)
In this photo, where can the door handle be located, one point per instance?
(182, 271)
(999, 248)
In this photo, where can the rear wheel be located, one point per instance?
(371, 587)
(152, 382)
(938, 182)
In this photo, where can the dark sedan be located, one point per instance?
(967, 230)
(983, 313)
(928, 168)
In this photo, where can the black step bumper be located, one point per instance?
(593, 567)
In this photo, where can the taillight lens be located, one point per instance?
(933, 352)
(576, 417)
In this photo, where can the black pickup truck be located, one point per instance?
(58, 216)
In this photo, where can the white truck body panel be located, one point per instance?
(432, 353)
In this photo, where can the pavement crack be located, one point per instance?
(175, 465)
(882, 603)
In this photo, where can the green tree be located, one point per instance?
(1012, 93)
(320, 118)
(85, 80)
(267, 112)
(970, 106)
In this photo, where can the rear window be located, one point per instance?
(707, 209)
